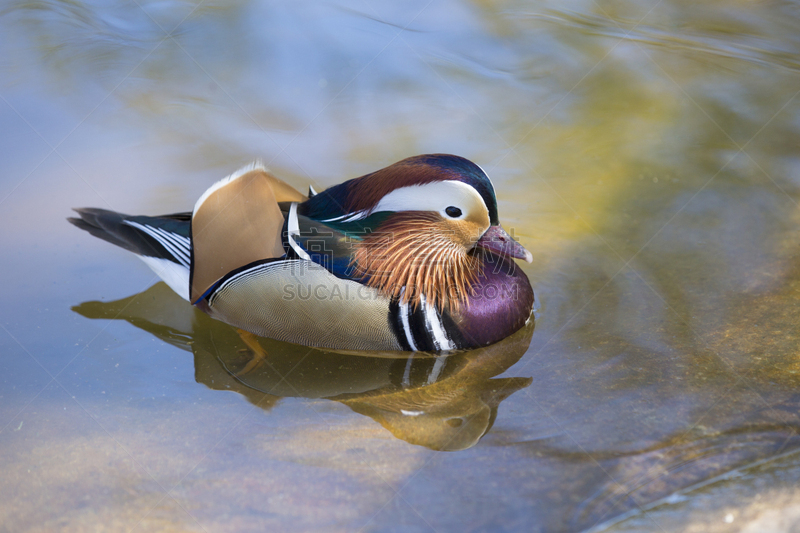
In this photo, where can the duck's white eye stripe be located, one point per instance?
(436, 196)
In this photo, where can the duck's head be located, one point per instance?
(427, 220)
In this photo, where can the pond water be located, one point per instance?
(646, 152)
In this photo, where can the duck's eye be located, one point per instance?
(453, 211)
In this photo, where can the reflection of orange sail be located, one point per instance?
(442, 402)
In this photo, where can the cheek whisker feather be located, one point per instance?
(413, 252)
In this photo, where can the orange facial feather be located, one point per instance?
(421, 252)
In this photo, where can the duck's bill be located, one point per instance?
(496, 240)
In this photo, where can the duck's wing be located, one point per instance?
(321, 243)
(124, 231)
(162, 242)
(329, 244)
(237, 221)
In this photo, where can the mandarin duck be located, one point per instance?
(411, 257)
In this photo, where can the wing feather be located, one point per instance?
(236, 222)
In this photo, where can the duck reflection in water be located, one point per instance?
(445, 402)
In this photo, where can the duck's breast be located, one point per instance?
(500, 304)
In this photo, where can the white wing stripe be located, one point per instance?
(335, 219)
(183, 248)
(174, 250)
(179, 240)
(171, 248)
(348, 217)
(356, 216)
(293, 228)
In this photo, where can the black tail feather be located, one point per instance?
(112, 227)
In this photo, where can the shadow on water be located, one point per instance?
(442, 402)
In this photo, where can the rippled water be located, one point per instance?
(646, 152)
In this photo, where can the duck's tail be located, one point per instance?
(163, 242)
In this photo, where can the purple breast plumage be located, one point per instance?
(500, 305)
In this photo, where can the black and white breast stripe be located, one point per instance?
(240, 274)
(177, 245)
(420, 328)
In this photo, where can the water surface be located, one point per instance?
(646, 152)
